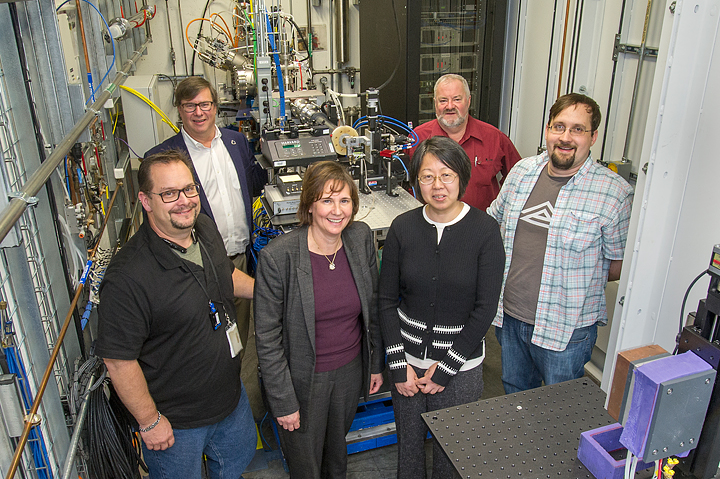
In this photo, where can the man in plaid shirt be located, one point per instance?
(564, 221)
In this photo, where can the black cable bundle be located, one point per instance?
(113, 448)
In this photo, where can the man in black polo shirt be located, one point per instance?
(167, 331)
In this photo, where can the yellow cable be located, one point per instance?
(152, 105)
(115, 122)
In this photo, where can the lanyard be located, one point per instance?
(214, 315)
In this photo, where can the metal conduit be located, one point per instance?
(75, 439)
(19, 203)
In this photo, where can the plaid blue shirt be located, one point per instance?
(588, 229)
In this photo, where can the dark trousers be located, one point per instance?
(465, 387)
(320, 450)
(243, 307)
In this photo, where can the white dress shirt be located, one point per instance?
(221, 185)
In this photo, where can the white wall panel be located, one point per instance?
(674, 225)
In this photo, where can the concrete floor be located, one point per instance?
(380, 463)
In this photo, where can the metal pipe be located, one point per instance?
(309, 36)
(17, 206)
(612, 84)
(181, 39)
(75, 440)
(547, 78)
(84, 45)
(641, 62)
(341, 35)
(32, 419)
(172, 49)
(562, 50)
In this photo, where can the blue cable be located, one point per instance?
(278, 69)
(67, 178)
(35, 438)
(86, 315)
(362, 121)
(395, 157)
(389, 119)
(112, 41)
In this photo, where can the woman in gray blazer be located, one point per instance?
(318, 339)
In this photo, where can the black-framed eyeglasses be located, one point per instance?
(559, 129)
(191, 107)
(446, 178)
(170, 196)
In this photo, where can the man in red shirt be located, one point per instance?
(491, 153)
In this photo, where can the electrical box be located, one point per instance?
(280, 204)
(143, 125)
(669, 403)
(290, 184)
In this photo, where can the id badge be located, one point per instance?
(234, 341)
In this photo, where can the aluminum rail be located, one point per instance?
(20, 201)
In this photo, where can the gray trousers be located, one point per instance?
(319, 451)
(465, 387)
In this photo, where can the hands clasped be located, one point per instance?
(425, 384)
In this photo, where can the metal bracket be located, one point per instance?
(619, 48)
(29, 200)
(33, 419)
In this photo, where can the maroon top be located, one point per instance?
(337, 312)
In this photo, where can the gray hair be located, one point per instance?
(448, 78)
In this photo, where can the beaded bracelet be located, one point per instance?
(157, 421)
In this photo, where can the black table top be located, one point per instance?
(534, 433)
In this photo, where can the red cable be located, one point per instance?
(144, 19)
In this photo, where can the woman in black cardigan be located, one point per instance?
(440, 281)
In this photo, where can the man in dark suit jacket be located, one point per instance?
(226, 170)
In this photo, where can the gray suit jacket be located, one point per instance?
(285, 316)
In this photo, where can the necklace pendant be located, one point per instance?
(332, 266)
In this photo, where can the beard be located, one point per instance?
(559, 163)
(186, 225)
(459, 120)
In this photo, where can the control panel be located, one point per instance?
(300, 151)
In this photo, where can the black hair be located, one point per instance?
(450, 154)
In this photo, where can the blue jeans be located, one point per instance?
(525, 365)
(229, 446)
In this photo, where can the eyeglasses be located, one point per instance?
(446, 178)
(559, 129)
(170, 196)
(204, 106)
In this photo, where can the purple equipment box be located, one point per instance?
(669, 403)
(595, 448)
